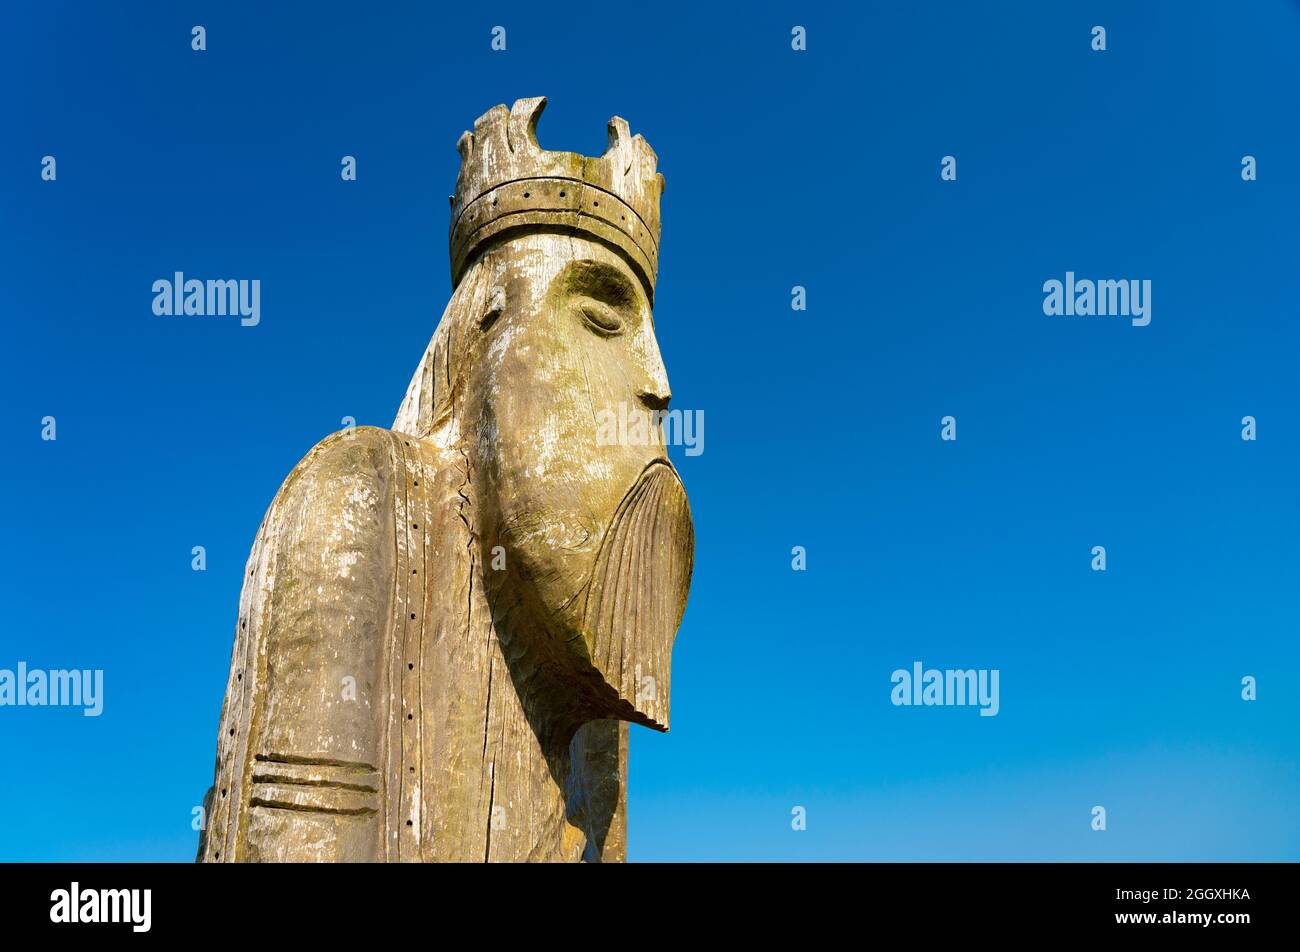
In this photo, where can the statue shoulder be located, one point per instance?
(347, 472)
(349, 489)
(351, 457)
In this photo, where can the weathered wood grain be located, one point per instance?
(447, 626)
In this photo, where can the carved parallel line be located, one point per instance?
(288, 781)
(314, 762)
(307, 794)
(311, 808)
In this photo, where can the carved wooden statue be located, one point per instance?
(446, 627)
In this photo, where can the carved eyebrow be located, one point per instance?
(601, 280)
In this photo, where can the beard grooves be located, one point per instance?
(638, 593)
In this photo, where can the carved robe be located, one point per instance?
(415, 709)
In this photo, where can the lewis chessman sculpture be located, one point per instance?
(446, 627)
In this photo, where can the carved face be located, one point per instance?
(571, 472)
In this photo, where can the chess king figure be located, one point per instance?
(446, 627)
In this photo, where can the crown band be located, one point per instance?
(555, 204)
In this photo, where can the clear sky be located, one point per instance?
(818, 168)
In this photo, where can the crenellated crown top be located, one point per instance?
(507, 182)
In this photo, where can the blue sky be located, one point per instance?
(817, 168)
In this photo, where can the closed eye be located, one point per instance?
(600, 316)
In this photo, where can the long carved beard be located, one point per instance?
(638, 593)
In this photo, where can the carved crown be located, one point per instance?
(508, 183)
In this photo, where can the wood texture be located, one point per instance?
(447, 626)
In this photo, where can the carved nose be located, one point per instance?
(654, 391)
(656, 400)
